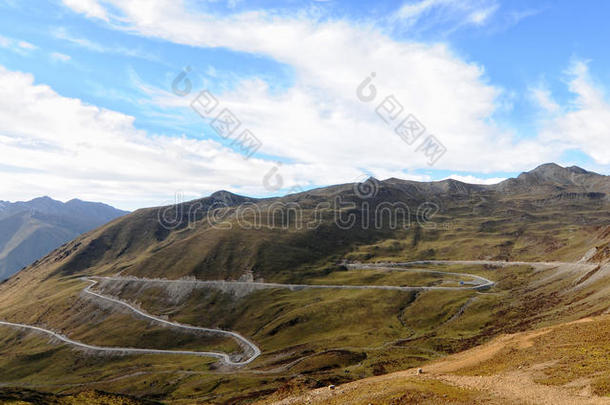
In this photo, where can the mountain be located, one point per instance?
(29, 230)
(223, 262)
(180, 241)
(551, 177)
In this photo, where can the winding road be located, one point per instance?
(126, 350)
(250, 349)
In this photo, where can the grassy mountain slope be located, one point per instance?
(563, 364)
(469, 222)
(310, 338)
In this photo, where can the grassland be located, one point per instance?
(309, 338)
(572, 353)
(563, 364)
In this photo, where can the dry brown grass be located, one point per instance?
(563, 364)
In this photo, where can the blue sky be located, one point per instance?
(89, 110)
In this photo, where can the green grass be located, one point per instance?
(388, 277)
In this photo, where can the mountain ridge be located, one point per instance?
(179, 240)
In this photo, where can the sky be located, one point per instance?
(146, 102)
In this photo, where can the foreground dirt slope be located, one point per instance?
(563, 364)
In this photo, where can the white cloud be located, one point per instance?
(320, 120)
(318, 124)
(455, 12)
(88, 7)
(479, 17)
(18, 46)
(63, 34)
(585, 122)
(65, 148)
(543, 97)
(413, 11)
(26, 45)
(60, 57)
(476, 180)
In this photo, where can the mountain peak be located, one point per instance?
(551, 177)
(547, 167)
(579, 170)
(222, 194)
(45, 198)
(554, 168)
(228, 197)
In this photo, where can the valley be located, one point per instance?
(250, 348)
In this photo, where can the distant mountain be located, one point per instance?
(30, 230)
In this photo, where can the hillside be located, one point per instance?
(399, 260)
(562, 364)
(30, 230)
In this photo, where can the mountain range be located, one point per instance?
(181, 240)
(247, 265)
(30, 230)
